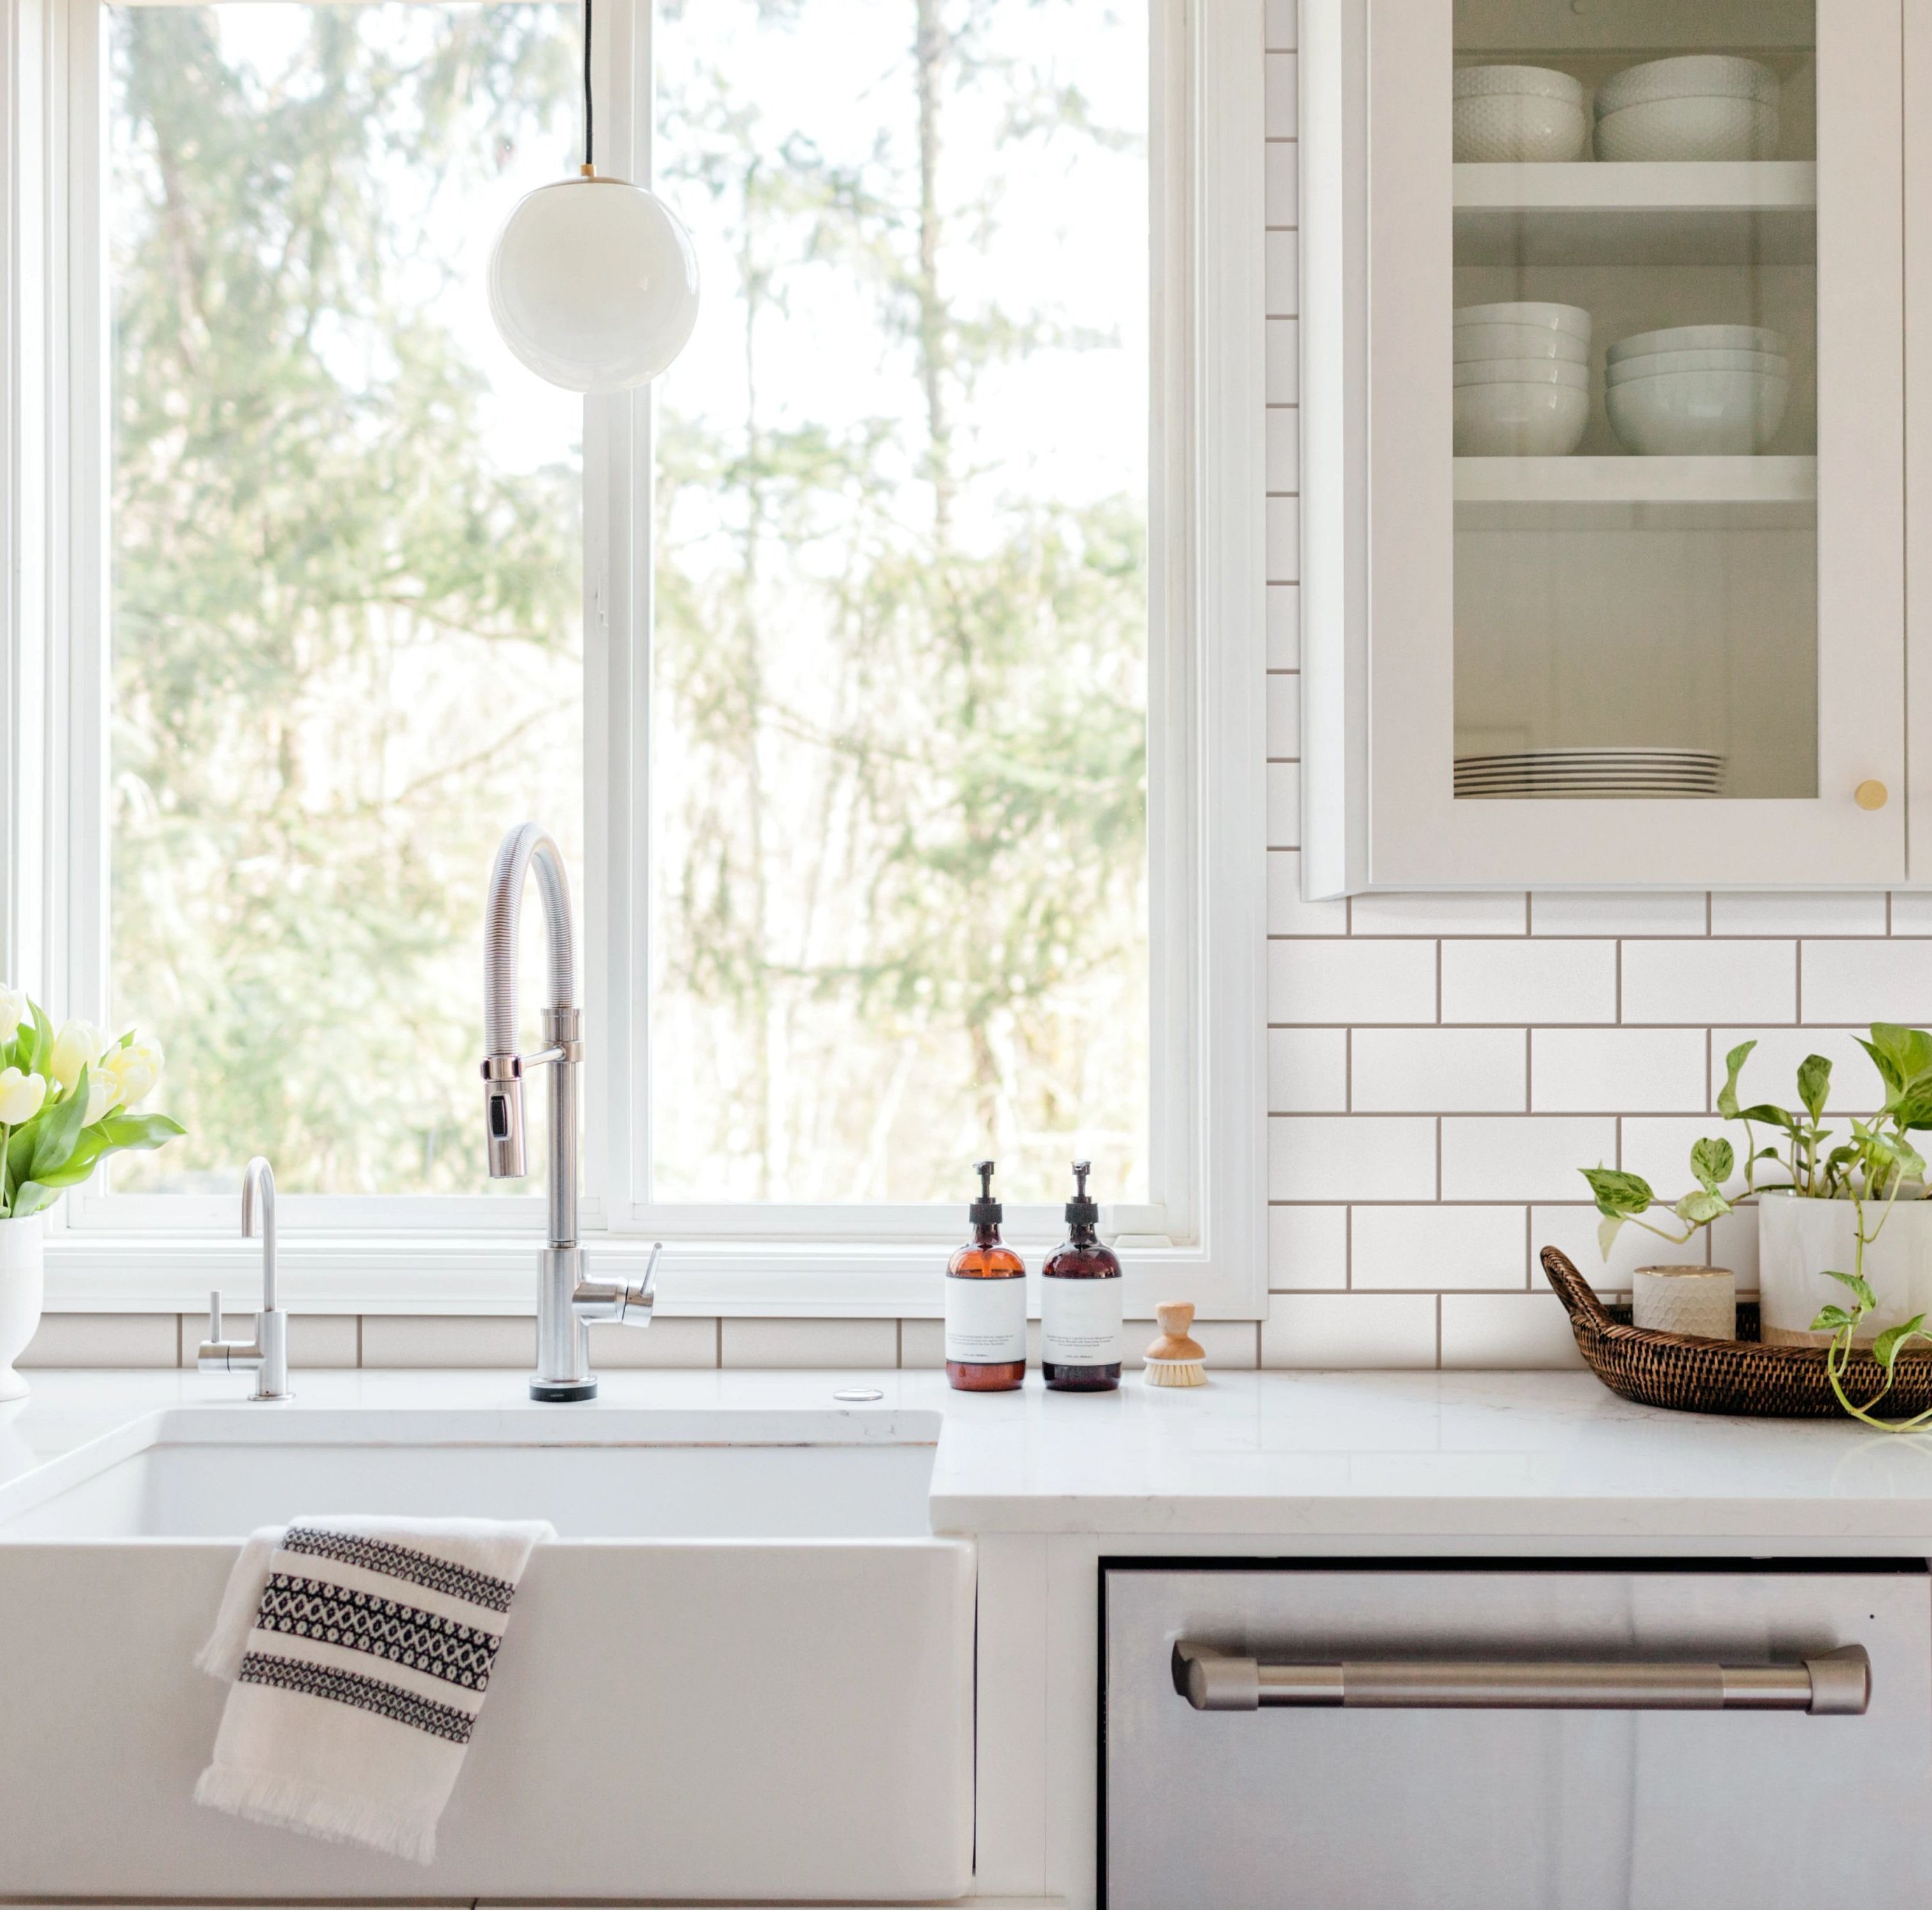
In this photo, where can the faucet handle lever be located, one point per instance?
(213, 1313)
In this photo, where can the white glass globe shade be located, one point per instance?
(593, 284)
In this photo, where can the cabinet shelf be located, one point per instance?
(1681, 213)
(1714, 493)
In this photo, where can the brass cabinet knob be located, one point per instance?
(1870, 794)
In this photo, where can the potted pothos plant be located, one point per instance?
(1845, 1206)
(67, 1101)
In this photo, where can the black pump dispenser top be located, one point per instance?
(1081, 1211)
(985, 1211)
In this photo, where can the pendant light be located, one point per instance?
(593, 283)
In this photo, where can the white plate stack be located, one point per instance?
(1694, 390)
(1518, 115)
(1522, 378)
(1696, 106)
(1591, 775)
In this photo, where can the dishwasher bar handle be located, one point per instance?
(1836, 1683)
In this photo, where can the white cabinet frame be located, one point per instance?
(1378, 580)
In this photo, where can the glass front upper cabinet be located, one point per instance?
(1633, 414)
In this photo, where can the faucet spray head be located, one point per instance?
(503, 1115)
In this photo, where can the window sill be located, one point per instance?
(488, 1274)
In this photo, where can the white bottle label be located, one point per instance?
(985, 1320)
(1080, 1321)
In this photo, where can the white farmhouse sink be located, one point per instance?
(744, 1671)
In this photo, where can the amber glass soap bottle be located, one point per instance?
(1080, 1303)
(985, 1303)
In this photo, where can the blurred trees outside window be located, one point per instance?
(898, 903)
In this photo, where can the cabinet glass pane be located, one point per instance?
(1636, 404)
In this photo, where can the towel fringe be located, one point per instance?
(295, 1804)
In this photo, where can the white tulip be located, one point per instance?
(14, 1009)
(78, 1044)
(133, 1070)
(100, 1093)
(20, 1096)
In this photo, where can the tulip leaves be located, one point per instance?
(54, 1147)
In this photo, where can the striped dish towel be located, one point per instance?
(359, 1650)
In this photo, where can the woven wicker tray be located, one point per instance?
(1724, 1375)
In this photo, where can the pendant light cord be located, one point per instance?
(587, 86)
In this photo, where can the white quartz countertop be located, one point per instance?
(1350, 1457)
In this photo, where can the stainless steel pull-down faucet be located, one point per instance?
(566, 1301)
(266, 1355)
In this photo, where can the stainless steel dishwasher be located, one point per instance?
(1515, 1736)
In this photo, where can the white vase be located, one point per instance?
(21, 1280)
(1799, 1239)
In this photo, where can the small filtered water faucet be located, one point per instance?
(567, 1302)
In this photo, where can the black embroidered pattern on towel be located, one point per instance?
(359, 1621)
(366, 1694)
(395, 1561)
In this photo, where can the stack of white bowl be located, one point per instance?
(1697, 391)
(1696, 105)
(1522, 378)
(1518, 114)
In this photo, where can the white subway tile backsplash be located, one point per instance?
(1284, 363)
(1319, 1330)
(1697, 980)
(1283, 518)
(1523, 981)
(1438, 1070)
(1506, 1329)
(399, 1339)
(1573, 1231)
(1287, 914)
(1742, 912)
(669, 1341)
(1658, 1147)
(1312, 981)
(831, 1343)
(1284, 717)
(1770, 1073)
(1626, 912)
(1911, 912)
(1734, 1244)
(1284, 805)
(1282, 189)
(1607, 1070)
(1436, 1248)
(330, 1340)
(922, 1344)
(1308, 1071)
(1521, 1157)
(1284, 448)
(1282, 101)
(1351, 1157)
(1308, 1248)
(1866, 982)
(1282, 265)
(1232, 1346)
(105, 1339)
(1278, 26)
(1464, 912)
(1284, 626)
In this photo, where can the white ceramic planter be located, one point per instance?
(22, 1279)
(1799, 1240)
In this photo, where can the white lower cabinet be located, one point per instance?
(1416, 1802)
(1604, 502)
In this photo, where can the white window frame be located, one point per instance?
(1201, 1235)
